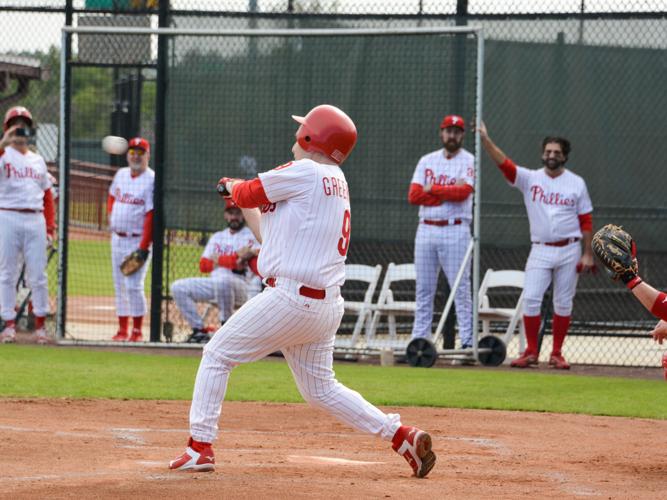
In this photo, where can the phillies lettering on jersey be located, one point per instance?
(23, 181)
(313, 199)
(553, 203)
(133, 199)
(436, 168)
(226, 243)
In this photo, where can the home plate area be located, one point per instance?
(112, 449)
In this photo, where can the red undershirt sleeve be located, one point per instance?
(417, 196)
(659, 308)
(228, 261)
(250, 194)
(49, 212)
(110, 201)
(508, 168)
(252, 264)
(147, 234)
(586, 222)
(205, 265)
(452, 193)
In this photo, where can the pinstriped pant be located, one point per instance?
(304, 330)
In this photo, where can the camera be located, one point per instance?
(24, 132)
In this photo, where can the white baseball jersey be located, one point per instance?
(553, 204)
(313, 200)
(133, 199)
(23, 180)
(226, 243)
(436, 168)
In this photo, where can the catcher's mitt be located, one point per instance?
(133, 262)
(616, 250)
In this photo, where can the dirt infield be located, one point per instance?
(119, 449)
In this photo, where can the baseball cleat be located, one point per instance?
(415, 446)
(201, 335)
(191, 460)
(8, 335)
(136, 335)
(40, 336)
(120, 337)
(524, 361)
(558, 361)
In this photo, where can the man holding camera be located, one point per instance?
(27, 221)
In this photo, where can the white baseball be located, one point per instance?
(114, 145)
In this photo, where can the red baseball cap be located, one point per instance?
(140, 143)
(229, 203)
(453, 121)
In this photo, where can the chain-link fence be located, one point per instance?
(591, 71)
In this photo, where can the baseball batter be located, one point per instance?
(130, 208)
(560, 215)
(231, 258)
(305, 228)
(27, 222)
(442, 186)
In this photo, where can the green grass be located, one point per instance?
(30, 371)
(89, 267)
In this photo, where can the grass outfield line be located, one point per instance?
(32, 371)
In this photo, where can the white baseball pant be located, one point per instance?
(23, 233)
(228, 291)
(304, 330)
(130, 298)
(547, 262)
(443, 247)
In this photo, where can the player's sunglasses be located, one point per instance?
(137, 151)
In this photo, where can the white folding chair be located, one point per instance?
(386, 305)
(487, 314)
(369, 275)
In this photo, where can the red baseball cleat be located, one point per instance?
(191, 460)
(40, 336)
(120, 337)
(415, 446)
(8, 335)
(524, 361)
(136, 335)
(558, 361)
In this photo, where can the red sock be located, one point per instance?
(559, 327)
(198, 446)
(136, 322)
(531, 325)
(10, 323)
(39, 322)
(122, 324)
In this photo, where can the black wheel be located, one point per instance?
(497, 354)
(421, 352)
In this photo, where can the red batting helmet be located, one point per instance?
(327, 130)
(139, 143)
(453, 121)
(16, 112)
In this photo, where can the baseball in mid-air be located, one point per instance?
(114, 145)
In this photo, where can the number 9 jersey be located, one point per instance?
(312, 199)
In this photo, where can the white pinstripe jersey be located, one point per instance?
(133, 199)
(226, 243)
(436, 168)
(553, 204)
(23, 180)
(306, 227)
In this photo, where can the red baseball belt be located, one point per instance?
(306, 291)
(560, 243)
(127, 235)
(455, 222)
(23, 210)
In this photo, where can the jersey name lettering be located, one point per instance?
(127, 198)
(334, 186)
(26, 173)
(442, 180)
(539, 195)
